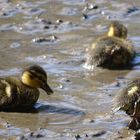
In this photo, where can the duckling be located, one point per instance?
(112, 50)
(128, 100)
(23, 92)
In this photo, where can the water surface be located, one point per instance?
(55, 35)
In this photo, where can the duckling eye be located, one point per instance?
(31, 76)
(41, 78)
(36, 76)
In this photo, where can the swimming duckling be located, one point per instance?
(112, 50)
(23, 92)
(128, 100)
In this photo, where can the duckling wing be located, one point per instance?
(128, 96)
(22, 95)
(15, 95)
(7, 93)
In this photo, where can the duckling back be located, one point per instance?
(110, 52)
(127, 97)
(14, 94)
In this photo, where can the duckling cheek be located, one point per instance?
(30, 82)
(34, 83)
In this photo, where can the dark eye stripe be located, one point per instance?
(38, 75)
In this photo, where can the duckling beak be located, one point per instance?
(47, 88)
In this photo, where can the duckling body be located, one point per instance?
(23, 92)
(112, 50)
(128, 96)
(128, 100)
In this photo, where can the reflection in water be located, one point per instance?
(58, 110)
(41, 115)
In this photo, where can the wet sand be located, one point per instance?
(55, 35)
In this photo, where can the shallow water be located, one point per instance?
(55, 34)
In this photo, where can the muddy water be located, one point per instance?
(55, 34)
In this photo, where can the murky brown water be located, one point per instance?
(55, 34)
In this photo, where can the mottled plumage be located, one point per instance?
(128, 100)
(112, 50)
(22, 92)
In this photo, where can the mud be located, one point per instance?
(55, 35)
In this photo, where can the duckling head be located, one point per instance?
(117, 29)
(36, 77)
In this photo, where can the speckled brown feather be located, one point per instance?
(127, 97)
(110, 52)
(21, 95)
